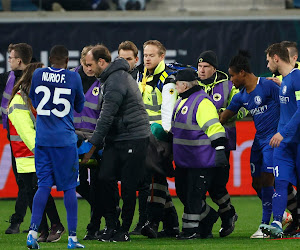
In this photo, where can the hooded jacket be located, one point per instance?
(123, 115)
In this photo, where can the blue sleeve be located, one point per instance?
(290, 129)
(235, 103)
(274, 91)
(32, 89)
(79, 98)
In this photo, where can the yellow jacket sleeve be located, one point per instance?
(208, 119)
(22, 122)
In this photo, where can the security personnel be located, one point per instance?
(199, 154)
(217, 85)
(20, 55)
(159, 95)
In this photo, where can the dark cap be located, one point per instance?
(187, 75)
(208, 56)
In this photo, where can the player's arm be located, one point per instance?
(32, 94)
(290, 129)
(242, 112)
(233, 108)
(169, 97)
(207, 119)
(112, 100)
(20, 118)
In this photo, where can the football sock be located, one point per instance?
(39, 203)
(267, 194)
(71, 205)
(279, 199)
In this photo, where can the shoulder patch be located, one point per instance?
(217, 97)
(184, 110)
(171, 91)
(95, 91)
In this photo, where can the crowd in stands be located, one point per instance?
(68, 5)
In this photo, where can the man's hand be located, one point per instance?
(275, 140)
(220, 158)
(87, 156)
(275, 79)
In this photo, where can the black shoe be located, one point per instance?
(228, 228)
(137, 230)
(107, 235)
(207, 225)
(168, 233)
(43, 236)
(120, 236)
(91, 235)
(187, 236)
(14, 228)
(150, 230)
(291, 229)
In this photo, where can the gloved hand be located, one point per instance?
(220, 158)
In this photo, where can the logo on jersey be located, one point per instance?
(184, 110)
(95, 91)
(284, 89)
(217, 97)
(257, 100)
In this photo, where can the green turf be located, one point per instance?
(248, 209)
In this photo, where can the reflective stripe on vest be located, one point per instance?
(190, 126)
(6, 97)
(19, 148)
(85, 119)
(225, 86)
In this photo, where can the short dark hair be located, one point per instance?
(279, 50)
(240, 62)
(128, 45)
(23, 51)
(59, 53)
(158, 44)
(292, 46)
(100, 51)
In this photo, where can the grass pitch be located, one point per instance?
(248, 209)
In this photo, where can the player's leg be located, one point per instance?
(284, 167)
(267, 189)
(44, 174)
(65, 167)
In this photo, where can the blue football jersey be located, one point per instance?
(263, 105)
(55, 93)
(289, 123)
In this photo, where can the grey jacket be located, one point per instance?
(123, 116)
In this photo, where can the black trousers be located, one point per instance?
(21, 201)
(30, 187)
(89, 191)
(144, 192)
(219, 194)
(125, 161)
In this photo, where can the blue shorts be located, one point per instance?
(261, 159)
(286, 162)
(57, 166)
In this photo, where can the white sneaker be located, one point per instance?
(259, 235)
